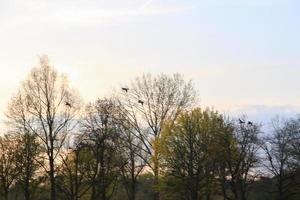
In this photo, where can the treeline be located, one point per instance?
(149, 141)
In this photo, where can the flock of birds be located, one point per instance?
(142, 103)
(126, 90)
(243, 122)
(123, 88)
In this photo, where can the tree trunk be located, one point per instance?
(27, 168)
(132, 190)
(208, 196)
(224, 190)
(27, 179)
(280, 189)
(193, 187)
(93, 195)
(52, 178)
(194, 193)
(76, 175)
(133, 180)
(5, 193)
(103, 196)
(26, 190)
(156, 177)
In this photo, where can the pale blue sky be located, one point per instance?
(243, 55)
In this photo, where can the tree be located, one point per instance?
(149, 103)
(187, 153)
(278, 148)
(29, 150)
(8, 164)
(133, 159)
(101, 140)
(72, 182)
(49, 110)
(28, 164)
(238, 158)
(292, 127)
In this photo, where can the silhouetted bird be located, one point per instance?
(241, 121)
(68, 104)
(141, 102)
(125, 89)
(250, 123)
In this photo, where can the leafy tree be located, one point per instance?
(187, 152)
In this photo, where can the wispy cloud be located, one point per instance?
(147, 3)
(251, 3)
(81, 13)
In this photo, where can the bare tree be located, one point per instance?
(133, 160)
(72, 182)
(101, 140)
(292, 127)
(149, 103)
(239, 158)
(279, 156)
(49, 110)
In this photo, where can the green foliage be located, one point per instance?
(189, 152)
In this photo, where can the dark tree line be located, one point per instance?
(150, 141)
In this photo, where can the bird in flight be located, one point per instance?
(250, 123)
(241, 121)
(68, 104)
(141, 102)
(125, 89)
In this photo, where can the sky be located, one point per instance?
(243, 55)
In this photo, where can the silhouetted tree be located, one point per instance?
(133, 159)
(50, 107)
(29, 150)
(148, 103)
(8, 164)
(101, 140)
(29, 161)
(72, 181)
(238, 159)
(279, 149)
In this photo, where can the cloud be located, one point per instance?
(264, 113)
